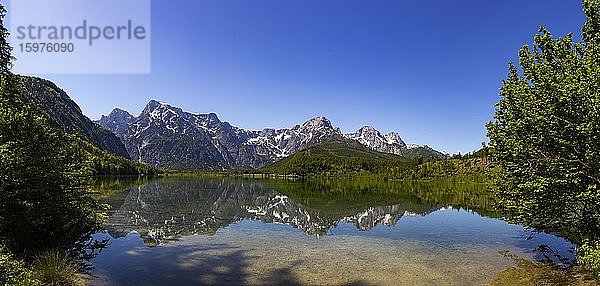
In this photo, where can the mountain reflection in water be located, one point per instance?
(167, 209)
(222, 231)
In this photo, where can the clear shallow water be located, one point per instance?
(232, 232)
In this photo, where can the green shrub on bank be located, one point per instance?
(14, 271)
(50, 268)
(588, 254)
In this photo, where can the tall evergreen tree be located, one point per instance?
(5, 48)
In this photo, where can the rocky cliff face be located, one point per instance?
(166, 136)
(371, 138)
(392, 143)
(117, 121)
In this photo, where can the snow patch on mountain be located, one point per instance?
(373, 139)
(167, 136)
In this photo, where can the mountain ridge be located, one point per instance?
(94, 149)
(166, 136)
(63, 112)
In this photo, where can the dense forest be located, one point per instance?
(347, 158)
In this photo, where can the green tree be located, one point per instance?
(545, 136)
(5, 49)
(42, 203)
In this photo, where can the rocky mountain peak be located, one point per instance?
(394, 138)
(315, 130)
(117, 121)
(152, 105)
(156, 107)
(117, 112)
(372, 138)
(212, 117)
(370, 130)
(117, 116)
(318, 122)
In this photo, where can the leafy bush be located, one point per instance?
(588, 254)
(14, 271)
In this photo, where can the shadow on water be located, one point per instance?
(208, 264)
(286, 276)
(282, 276)
(214, 264)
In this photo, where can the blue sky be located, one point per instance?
(428, 69)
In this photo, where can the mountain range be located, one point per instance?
(166, 136)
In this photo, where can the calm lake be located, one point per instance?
(218, 231)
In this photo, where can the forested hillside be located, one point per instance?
(98, 151)
(348, 157)
(64, 113)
